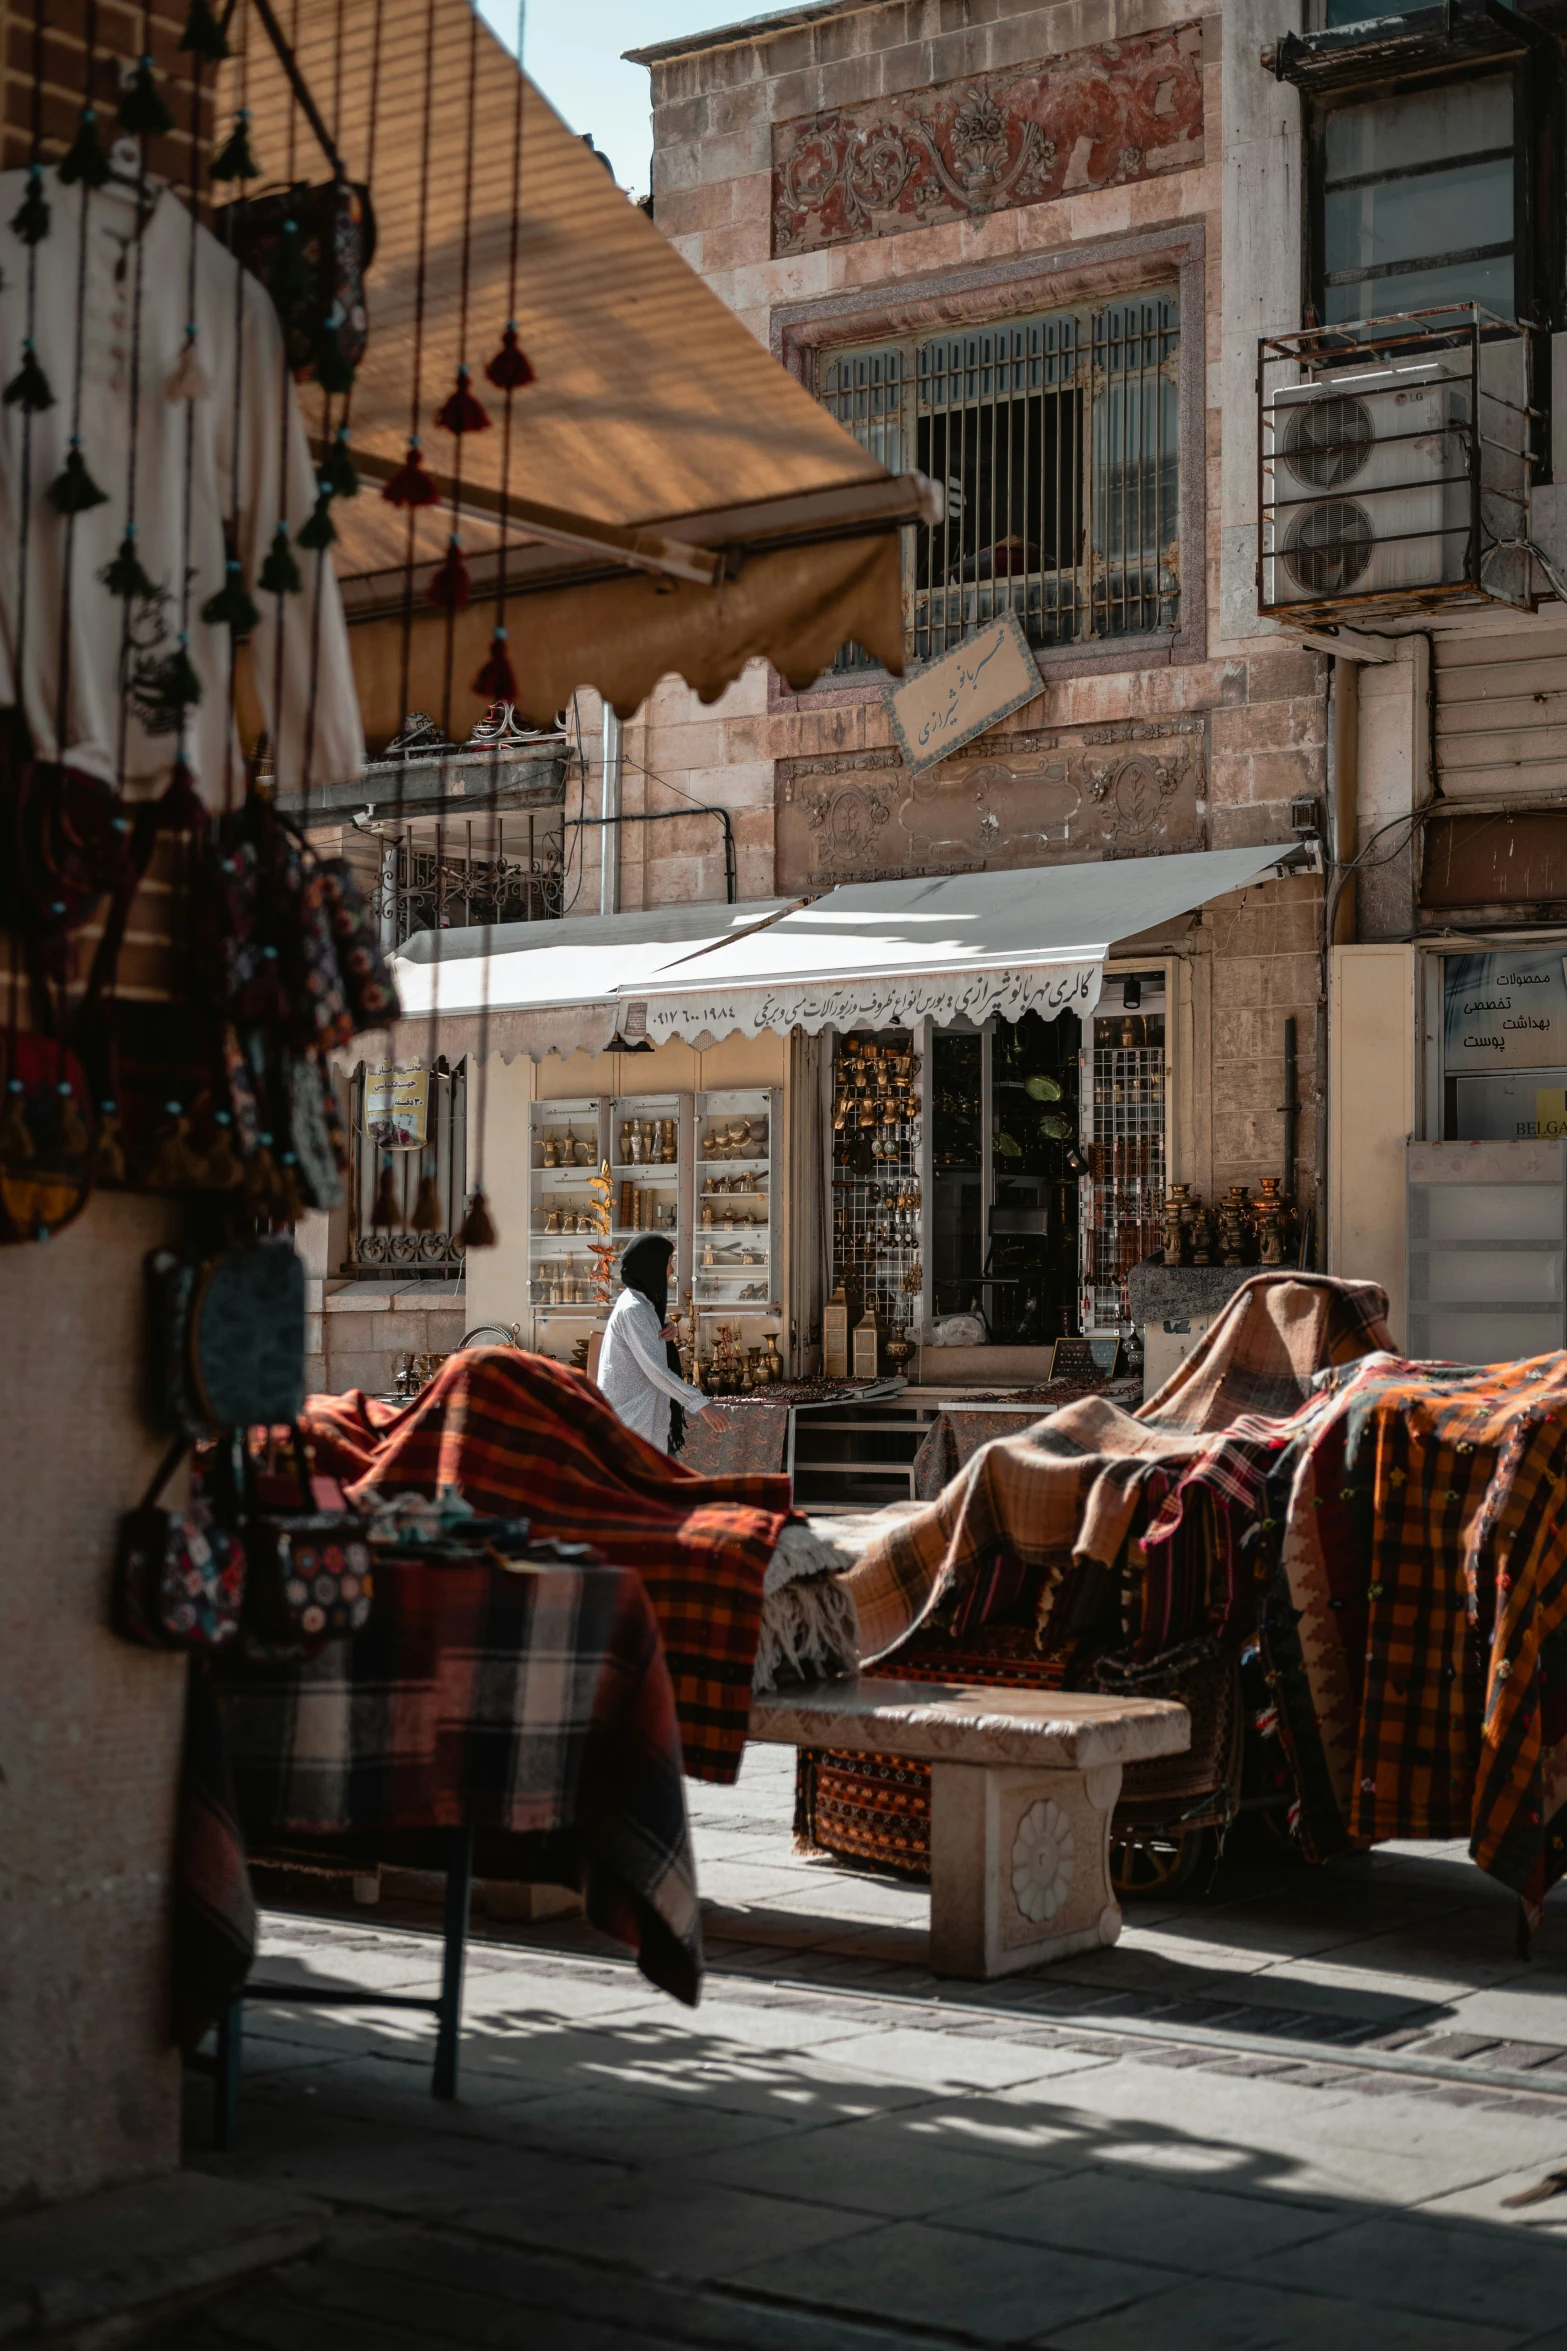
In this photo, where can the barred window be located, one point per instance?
(1056, 441)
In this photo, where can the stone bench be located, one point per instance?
(1022, 1786)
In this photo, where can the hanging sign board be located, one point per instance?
(397, 1105)
(1505, 1012)
(937, 709)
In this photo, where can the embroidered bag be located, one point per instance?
(231, 1335)
(311, 1577)
(179, 1579)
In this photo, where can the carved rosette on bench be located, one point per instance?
(1022, 1787)
(1098, 118)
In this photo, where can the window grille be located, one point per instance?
(1128, 1164)
(1056, 441)
(462, 885)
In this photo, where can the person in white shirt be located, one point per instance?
(634, 1370)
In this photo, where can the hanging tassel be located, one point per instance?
(124, 577)
(180, 810)
(449, 585)
(462, 413)
(280, 573)
(224, 1172)
(70, 1135)
(172, 689)
(288, 1201)
(109, 1156)
(478, 1228)
(411, 485)
(387, 1210)
(203, 35)
(16, 1141)
(332, 370)
(84, 160)
(231, 607)
(290, 280)
(189, 380)
(234, 160)
(496, 681)
(511, 369)
(30, 221)
(143, 114)
(259, 1180)
(338, 474)
(427, 1217)
(74, 491)
(175, 1166)
(320, 530)
(29, 387)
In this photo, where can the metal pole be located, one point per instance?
(609, 810)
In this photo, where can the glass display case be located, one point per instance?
(736, 1259)
(650, 1166)
(567, 1141)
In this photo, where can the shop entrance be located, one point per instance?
(954, 1169)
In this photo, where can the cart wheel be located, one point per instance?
(1151, 1864)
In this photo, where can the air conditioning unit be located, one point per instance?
(1366, 484)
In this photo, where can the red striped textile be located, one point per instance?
(519, 1435)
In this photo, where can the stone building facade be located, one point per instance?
(904, 177)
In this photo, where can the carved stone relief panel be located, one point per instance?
(1057, 796)
(1098, 118)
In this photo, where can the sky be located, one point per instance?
(572, 50)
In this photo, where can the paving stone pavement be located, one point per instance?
(837, 2152)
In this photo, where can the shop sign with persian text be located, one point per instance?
(937, 709)
(397, 1105)
(1505, 1011)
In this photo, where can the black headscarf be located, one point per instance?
(645, 1267)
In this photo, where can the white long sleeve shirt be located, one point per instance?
(276, 481)
(634, 1374)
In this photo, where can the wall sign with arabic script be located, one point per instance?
(1044, 796)
(1098, 118)
(937, 709)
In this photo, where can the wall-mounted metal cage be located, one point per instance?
(1394, 461)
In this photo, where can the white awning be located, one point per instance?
(885, 954)
(551, 987)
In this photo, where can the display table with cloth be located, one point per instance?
(738, 1435)
(1388, 1535)
(965, 1423)
(520, 1435)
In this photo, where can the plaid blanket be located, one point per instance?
(529, 1705)
(1073, 1486)
(521, 1435)
(1391, 1531)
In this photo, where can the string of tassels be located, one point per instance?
(497, 680)
(411, 485)
(449, 584)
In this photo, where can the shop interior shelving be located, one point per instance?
(736, 1259)
(642, 1128)
(560, 1265)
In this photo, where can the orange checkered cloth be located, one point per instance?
(521, 1436)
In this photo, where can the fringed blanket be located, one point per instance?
(1392, 1530)
(519, 1435)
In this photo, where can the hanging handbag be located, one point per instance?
(48, 1137)
(231, 1335)
(310, 1574)
(361, 959)
(179, 1578)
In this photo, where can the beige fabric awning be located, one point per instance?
(679, 502)
(550, 987)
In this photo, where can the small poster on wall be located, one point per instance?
(397, 1105)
